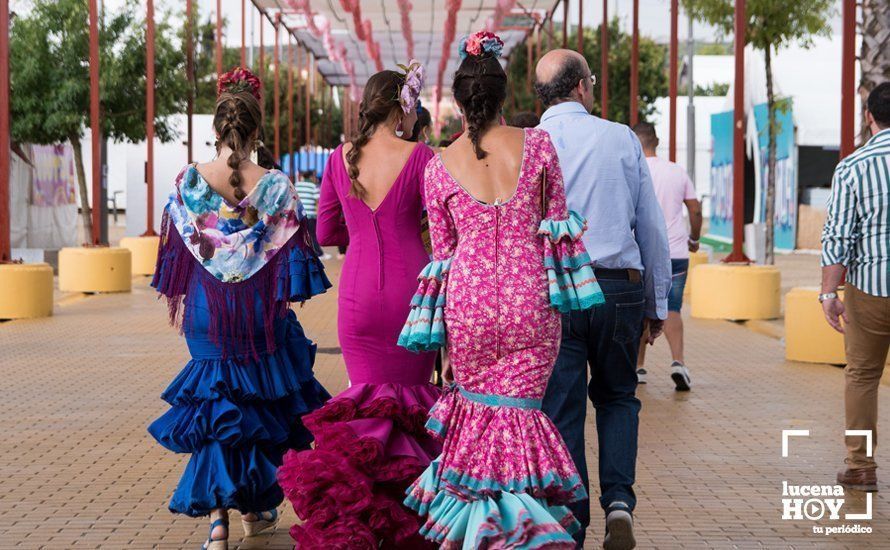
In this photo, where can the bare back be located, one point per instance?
(382, 160)
(494, 178)
(217, 173)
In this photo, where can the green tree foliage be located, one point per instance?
(652, 67)
(49, 66)
(327, 125)
(718, 89)
(770, 26)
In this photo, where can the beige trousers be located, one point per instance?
(867, 340)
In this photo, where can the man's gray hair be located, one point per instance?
(559, 88)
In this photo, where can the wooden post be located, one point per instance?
(262, 68)
(276, 91)
(5, 239)
(307, 108)
(635, 66)
(290, 105)
(219, 47)
(848, 78)
(150, 119)
(738, 140)
(190, 78)
(604, 61)
(581, 27)
(672, 147)
(244, 33)
(565, 23)
(95, 129)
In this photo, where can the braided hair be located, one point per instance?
(480, 87)
(237, 118)
(379, 101)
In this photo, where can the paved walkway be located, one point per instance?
(78, 470)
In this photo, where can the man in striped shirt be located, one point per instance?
(308, 192)
(856, 238)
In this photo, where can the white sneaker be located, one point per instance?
(326, 256)
(680, 376)
(619, 530)
(641, 375)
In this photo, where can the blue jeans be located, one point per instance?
(607, 339)
(679, 270)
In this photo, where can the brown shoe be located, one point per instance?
(862, 479)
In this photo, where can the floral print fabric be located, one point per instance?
(233, 242)
(502, 333)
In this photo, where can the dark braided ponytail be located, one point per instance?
(379, 101)
(480, 87)
(236, 121)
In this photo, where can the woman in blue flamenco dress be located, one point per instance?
(234, 252)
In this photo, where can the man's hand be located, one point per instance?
(652, 329)
(693, 245)
(834, 311)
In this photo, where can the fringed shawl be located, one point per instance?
(250, 259)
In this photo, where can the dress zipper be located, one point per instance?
(497, 286)
(379, 251)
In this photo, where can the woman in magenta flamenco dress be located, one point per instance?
(235, 250)
(370, 443)
(502, 271)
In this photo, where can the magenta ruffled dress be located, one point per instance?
(370, 441)
(501, 274)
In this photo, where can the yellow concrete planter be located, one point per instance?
(95, 270)
(144, 252)
(695, 259)
(808, 337)
(736, 292)
(26, 291)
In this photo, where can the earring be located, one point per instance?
(399, 130)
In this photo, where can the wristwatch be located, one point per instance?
(827, 296)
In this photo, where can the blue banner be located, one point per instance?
(720, 226)
(786, 175)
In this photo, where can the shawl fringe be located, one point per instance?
(235, 306)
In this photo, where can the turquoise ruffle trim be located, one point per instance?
(497, 517)
(425, 328)
(574, 289)
(570, 278)
(572, 227)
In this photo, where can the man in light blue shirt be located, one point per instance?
(607, 181)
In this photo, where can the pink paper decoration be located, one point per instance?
(452, 6)
(405, 11)
(336, 51)
(502, 8)
(363, 30)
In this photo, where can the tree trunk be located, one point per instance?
(86, 213)
(874, 56)
(770, 210)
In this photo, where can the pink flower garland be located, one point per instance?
(363, 30)
(405, 11)
(336, 51)
(502, 8)
(453, 6)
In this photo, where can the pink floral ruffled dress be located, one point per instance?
(504, 474)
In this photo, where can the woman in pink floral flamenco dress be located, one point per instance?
(234, 252)
(507, 259)
(370, 443)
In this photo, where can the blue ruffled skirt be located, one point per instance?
(237, 417)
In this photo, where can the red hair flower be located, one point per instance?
(239, 80)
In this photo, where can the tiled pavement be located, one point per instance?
(77, 468)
